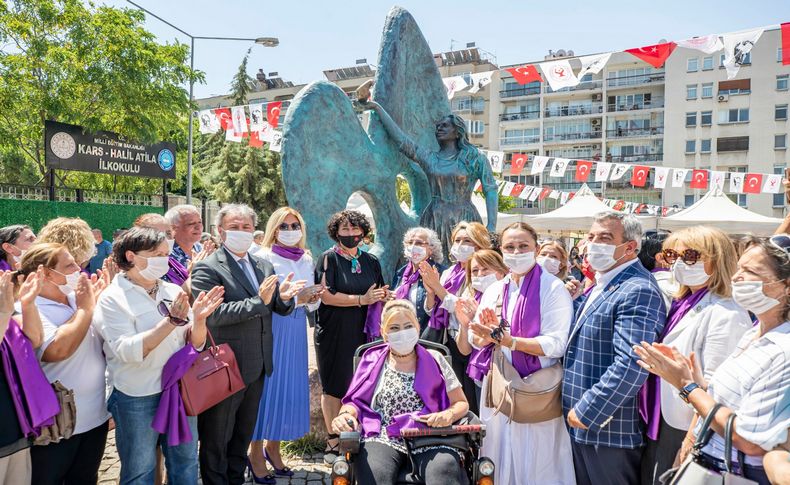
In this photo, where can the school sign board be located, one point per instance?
(69, 147)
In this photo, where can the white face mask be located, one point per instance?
(289, 238)
(750, 296)
(601, 256)
(415, 254)
(690, 275)
(403, 341)
(157, 267)
(72, 280)
(238, 241)
(462, 252)
(481, 283)
(549, 264)
(171, 243)
(519, 263)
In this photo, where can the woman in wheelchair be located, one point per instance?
(400, 384)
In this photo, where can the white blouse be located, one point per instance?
(303, 269)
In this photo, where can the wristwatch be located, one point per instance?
(684, 393)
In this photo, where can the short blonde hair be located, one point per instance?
(555, 244)
(150, 219)
(396, 307)
(713, 245)
(72, 232)
(476, 231)
(274, 222)
(487, 258)
(41, 254)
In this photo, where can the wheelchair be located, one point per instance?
(465, 436)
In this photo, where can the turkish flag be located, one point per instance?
(699, 179)
(583, 169)
(664, 211)
(517, 190)
(544, 193)
(255, 139)
(224, 117)
(785, 43)
(524, 74)
(517, 163)
(655, 55)
(640, 207)
(639, 175)
(273, 113)
(753, 183)
(619, 205)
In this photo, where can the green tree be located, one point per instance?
(506, 203)
(74, 62)
(237, 172)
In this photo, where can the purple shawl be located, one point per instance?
(373, 321)
(428, 383)
(649, 397)
(177, 274)
(4, 266)
(34, 399)
(410, 276)
(171, 417)
(288, 252)
(440, 318)
(479, 359)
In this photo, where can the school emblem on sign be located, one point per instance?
(63, 145)
(166, 160)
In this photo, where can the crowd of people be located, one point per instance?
(646, 334)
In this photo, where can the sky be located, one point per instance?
(316, 35)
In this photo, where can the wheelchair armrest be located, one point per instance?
(349, 442)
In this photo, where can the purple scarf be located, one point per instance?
(410, 276)
(171, 418)
(4, 266)
(479, 359)
(293, 253)
(526, 318)
(428, 382)
(373, 321)
(658, 270)
(440, 318)
(649, 397)
(34, 399)
(177, 274)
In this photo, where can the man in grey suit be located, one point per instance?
(244, 322)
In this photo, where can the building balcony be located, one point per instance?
(584, 110)
(637, 80)
(524, 115)
(525, 91)
(559, 137)
(642, 157)
(652, 104)
(520, 140)
(582, 86)
(635, 132)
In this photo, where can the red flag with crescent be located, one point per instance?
(655, 55)
(752, 183)
(583, 169)
(517, 163)
(544, 193)
(273, 112)
(517, 190)
(619, 205)
(225, 118)
(699, 179)
(255, 139)
(785, 43)
(639, 175)
(524, 74)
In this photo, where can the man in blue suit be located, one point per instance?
(602, 379)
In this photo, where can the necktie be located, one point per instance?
(247, 268)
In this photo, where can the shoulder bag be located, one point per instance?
(213, 377)
(64, 422)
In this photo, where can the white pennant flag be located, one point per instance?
(257, 117)
(679, 176)
(593, 64)
(619, 170)
(277, 141)
(660, 180)
(526, 192)
(480, 80)
(555, 194)
(267, 132)
(453, 85)
(535, 193)
(717, 179)
(736, 182)
(508, 188)
(736, 46)
(230, 135)
(564, 198)
(602, 170)
(705, 43)
(772, 184)
(629, 207)
(559, 74)
(209, 123)
(558, 167)
(496, 159)
(538, 164)
(239, 116)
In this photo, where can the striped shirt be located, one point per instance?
(753, 383)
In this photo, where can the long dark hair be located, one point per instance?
(468, 154)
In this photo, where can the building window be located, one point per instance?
(691, 146)
(478, 105)
(779, 54)
(781, 82)
(692, 64)
(706, 118)
(691, 91)
(707, 90)
(780, 112)
(475, 127)
(688, 200)
(733, 116)
(737, 86)
(779, 199)
(691, 119)
(732, 144)
(704, 146)
(707, 63)
(780, 141)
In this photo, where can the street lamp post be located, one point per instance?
(264, 41)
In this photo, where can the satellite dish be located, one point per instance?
(561, 53)
(662, 41)
(570, 54)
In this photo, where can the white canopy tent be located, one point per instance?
(502, 219)
(717, 210)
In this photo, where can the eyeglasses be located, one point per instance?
(781, 241)
(164, 310)
(292, 227)
(689, 256)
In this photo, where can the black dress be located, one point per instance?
(11, 437)
(340, 330)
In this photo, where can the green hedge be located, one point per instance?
(36, 213)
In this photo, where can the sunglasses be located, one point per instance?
(781, 241)
(164, 310)
(292, 227)
(689, 256)
(499, 332)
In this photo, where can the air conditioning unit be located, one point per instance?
(723, 98)
(598, 97)
(595, 122)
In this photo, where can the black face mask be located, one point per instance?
(349, 242)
